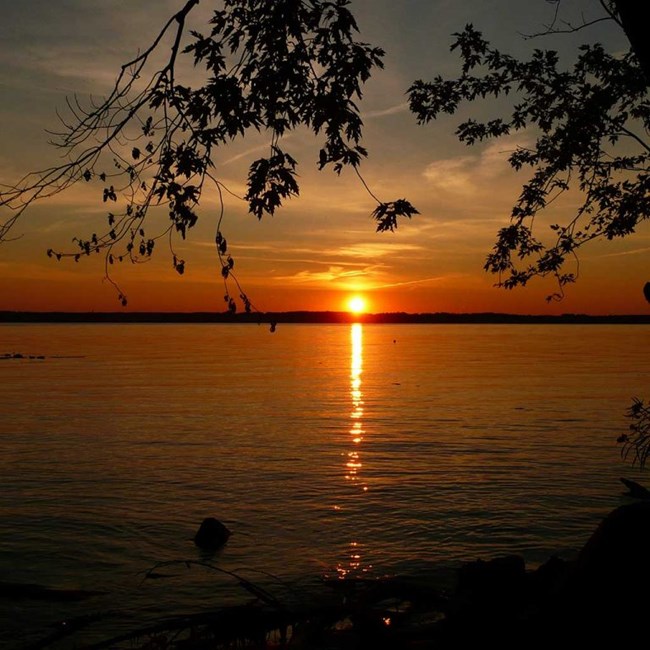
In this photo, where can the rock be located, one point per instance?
(550, 578)
(211, 534)
(488, 606)
(598, 600)
(499, 577)
(616, 555)
(607, 590)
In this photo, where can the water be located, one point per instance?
(328, 450)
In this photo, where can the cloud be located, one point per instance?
(262, 148)
(635, 251)
(435, 278)
(374, 250)
(369, 278)
(298, 260)
(335, 274)
(362, 250)
(403, 107)
(475, 174)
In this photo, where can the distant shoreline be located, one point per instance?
(321, 317)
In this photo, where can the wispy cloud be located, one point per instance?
(391, 110)
(475, 174)
(250, 151)
(362, 250)
(298, 260)
(333, 274)
(375, 249)
(420, 281)
(635, 251)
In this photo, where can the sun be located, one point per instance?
(357, 305)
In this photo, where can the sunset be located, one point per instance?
(319, 245)
(324, 324)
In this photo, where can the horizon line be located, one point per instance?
(311, 316)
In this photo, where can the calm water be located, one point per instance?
(328, 450)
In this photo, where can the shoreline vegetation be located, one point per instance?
(323, 317)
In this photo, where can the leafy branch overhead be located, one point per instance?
(267, 66)
(590, 125)
(271, 180)
(386, 214)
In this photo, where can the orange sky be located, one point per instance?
(321, 247)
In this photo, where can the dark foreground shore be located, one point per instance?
(598, 599)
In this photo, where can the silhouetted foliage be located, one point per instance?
(590, 125)
(268, 66)
(637, 442)
(277, 66)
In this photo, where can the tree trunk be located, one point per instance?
(632, 14)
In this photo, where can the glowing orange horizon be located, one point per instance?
(81, 291)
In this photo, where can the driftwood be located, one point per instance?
(635, 490)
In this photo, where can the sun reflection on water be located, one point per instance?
(353, 464)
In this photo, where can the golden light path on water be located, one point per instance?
(353, 463)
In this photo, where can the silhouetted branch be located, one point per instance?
(150, 142)
(578, 116)
(568, 27)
